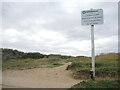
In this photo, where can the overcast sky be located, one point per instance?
(55, 27)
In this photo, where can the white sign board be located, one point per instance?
(92, 17)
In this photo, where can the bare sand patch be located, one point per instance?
(57, 77)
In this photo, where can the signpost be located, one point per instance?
(92, 17)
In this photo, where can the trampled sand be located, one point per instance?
(57, 77)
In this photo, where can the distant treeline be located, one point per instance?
(8, 54)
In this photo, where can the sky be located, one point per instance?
(55, 27)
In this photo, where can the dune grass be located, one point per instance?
(105, 66)
(32, 63)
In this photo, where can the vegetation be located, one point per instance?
(14, 59)
(32, 63)
(106, 66)
(10, 54)
(97, 84)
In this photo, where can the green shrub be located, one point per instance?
(107, 71)
(57, 64)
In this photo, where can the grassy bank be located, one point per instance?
(106, 66)
(32, 63)
(97, 84)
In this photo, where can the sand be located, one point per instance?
(57, 77)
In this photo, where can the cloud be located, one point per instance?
(55, 27)
(106, 45)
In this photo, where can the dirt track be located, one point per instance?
(57, 77)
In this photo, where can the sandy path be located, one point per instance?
(57, 77)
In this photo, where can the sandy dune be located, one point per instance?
(57, 77)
